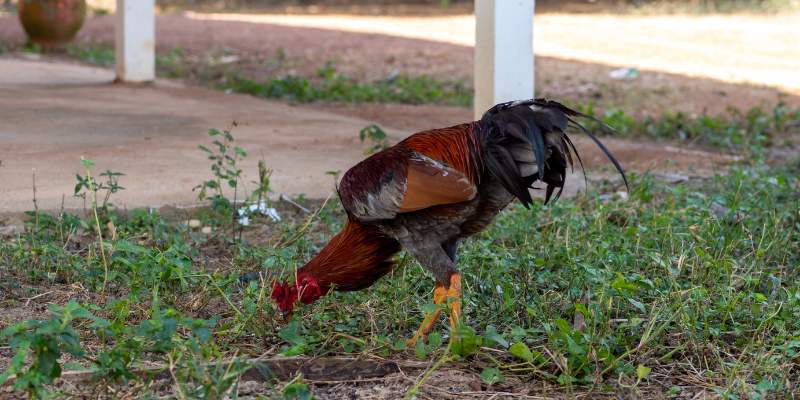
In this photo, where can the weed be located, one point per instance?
(43, 342)
(737, 130)
(172, 64)
(377, 137)
(198, 371)
(225, 170)
(331, 85)
(87, 185)
(297, 390)
(93, 53)
(33, 48)
(277, 61)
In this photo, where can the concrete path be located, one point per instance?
(52, 114)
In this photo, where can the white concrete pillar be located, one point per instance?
(136, 40)
(503, 52)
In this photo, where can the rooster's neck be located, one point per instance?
(354, 259)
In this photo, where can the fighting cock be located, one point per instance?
(434, 189)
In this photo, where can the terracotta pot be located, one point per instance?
(51, 23)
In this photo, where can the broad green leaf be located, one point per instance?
(420, 351)
(434, 340)
(563, 326)
(297, 391)
(492, 334)
(16, 363)
(295, 350)
(465, 342)
(87, 163)
(642, 372)
(522, 351)
(291, 333)
(490, 376)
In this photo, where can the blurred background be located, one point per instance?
(715, 76)
(639, 56)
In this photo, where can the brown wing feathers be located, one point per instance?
(429, 183)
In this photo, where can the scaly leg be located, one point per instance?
(454, 304)
(439, 295)
(453, 297)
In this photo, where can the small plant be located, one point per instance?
(278, 60)
(87, 185)
(93, 53)
(332, 85)
(296, 389)
(43, 342)
(736, 130)
(200, 373)
(225, 170)
(376, 136)
(263, 188)
(173, 62)
(33, 48)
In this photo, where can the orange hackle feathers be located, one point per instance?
(354, 259)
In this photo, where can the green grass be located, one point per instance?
(170, 64)
(696, 282)
(93, 53)
(331, 85)
(735, 130)
(328, 85)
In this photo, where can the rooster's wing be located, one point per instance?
(385, 185)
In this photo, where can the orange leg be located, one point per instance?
(454, 304)
(439, 295)
(453, 297)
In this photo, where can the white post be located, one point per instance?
(136, 40)
(503, 52)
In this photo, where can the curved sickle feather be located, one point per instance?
(541, 102)
(603, 148)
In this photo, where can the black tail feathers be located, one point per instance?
(525, 141)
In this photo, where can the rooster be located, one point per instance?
(432, 190)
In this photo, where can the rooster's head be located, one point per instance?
(306, 288)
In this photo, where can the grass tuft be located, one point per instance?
(735, 130)
(331, 85)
